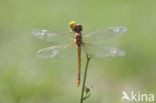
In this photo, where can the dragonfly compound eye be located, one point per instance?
(77, 28)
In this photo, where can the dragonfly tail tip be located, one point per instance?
(78, 84)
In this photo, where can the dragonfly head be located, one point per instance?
(75, 27)
(72, 23)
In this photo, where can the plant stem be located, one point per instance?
(84, 78)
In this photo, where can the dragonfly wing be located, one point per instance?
(103, 52)
(52, 37)
(104, 34)
(56, 51)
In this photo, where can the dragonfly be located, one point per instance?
(92, 44)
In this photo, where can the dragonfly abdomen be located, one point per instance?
(78, 41)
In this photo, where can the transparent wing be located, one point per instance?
(99, 36)
(102, 51)
(96, 43)
(52, 37)
(56, 51)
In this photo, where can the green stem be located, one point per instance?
(84, 79)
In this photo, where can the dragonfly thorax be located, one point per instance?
(78, 39)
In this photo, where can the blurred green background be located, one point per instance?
(24, 78)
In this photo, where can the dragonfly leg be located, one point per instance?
(74, 44)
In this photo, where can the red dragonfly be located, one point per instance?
(93, 44)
